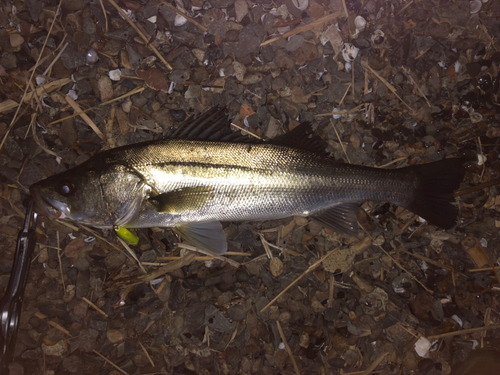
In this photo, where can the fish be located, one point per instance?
(203, 175)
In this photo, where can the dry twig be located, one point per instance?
(290, 354)
(144, 37)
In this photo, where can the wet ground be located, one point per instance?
(385, 83)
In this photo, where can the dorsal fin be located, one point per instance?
(212, 125)
(302, 137)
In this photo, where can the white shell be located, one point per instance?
(40, 81)
(72, 94)
(152, 19)
(360, 23)
(422, 346)
(301, 4)
(179, 20)
(349, 52)
(475, 6)
(115, 75)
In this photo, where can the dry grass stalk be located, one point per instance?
(290, 354)
(111, 363)
(58, 56)
(340, 141)
(84, 116)
(375, 363)
(94, 307)
(266, 246)
(183, 14)
(303, 28)
(397, 263)
(388, 85)
(310, 269)
(105, 15)
(144, 37)
(59, 250)
(48, 87)
(15, 118)
(477, 187)
(35, 137)
(345, 94)
(147, 354)
(8, 105)
(39, 315)
(484, 269)
(246, 131)
(418, 88)
(391, 162)
(463, 332)
(132, 253)
(343, 112)
(130, 93)
(233, 253)
(220, 257)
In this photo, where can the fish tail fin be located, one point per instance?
(434, 199)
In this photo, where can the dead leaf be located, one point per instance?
(245, 110)
(154, 78)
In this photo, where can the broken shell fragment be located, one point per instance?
(179, 20)
(349, 52)
(301, 4)
(475, 6)
(115, 75)
(91, 56)
(359, 23)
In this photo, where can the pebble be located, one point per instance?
(58, 350)
(276, 266)
(105, 87)
(72, 363)
(8, 61)
(294, 42)
(16, 40)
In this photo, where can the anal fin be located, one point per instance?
(206, 236)
(341, 218)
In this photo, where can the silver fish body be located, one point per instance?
(192, 185)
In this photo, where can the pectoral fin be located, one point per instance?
(342, 218)
(182, 200)
(206, 236)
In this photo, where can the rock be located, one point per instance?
(105, 87)
(16, 40)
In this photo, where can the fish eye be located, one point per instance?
(66, 188)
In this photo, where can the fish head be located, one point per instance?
(100, 196)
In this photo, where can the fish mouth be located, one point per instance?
(48, 206)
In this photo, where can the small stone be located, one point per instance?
(241, 9)
(304, 340)
(115, 336)
(16, 40)
(317, 306)
(294, 42)
(72, 363)
(276, 267)
(8, 61)
(105, 87)
(236, 313)
(58, 350)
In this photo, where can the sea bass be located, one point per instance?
(193, 184)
